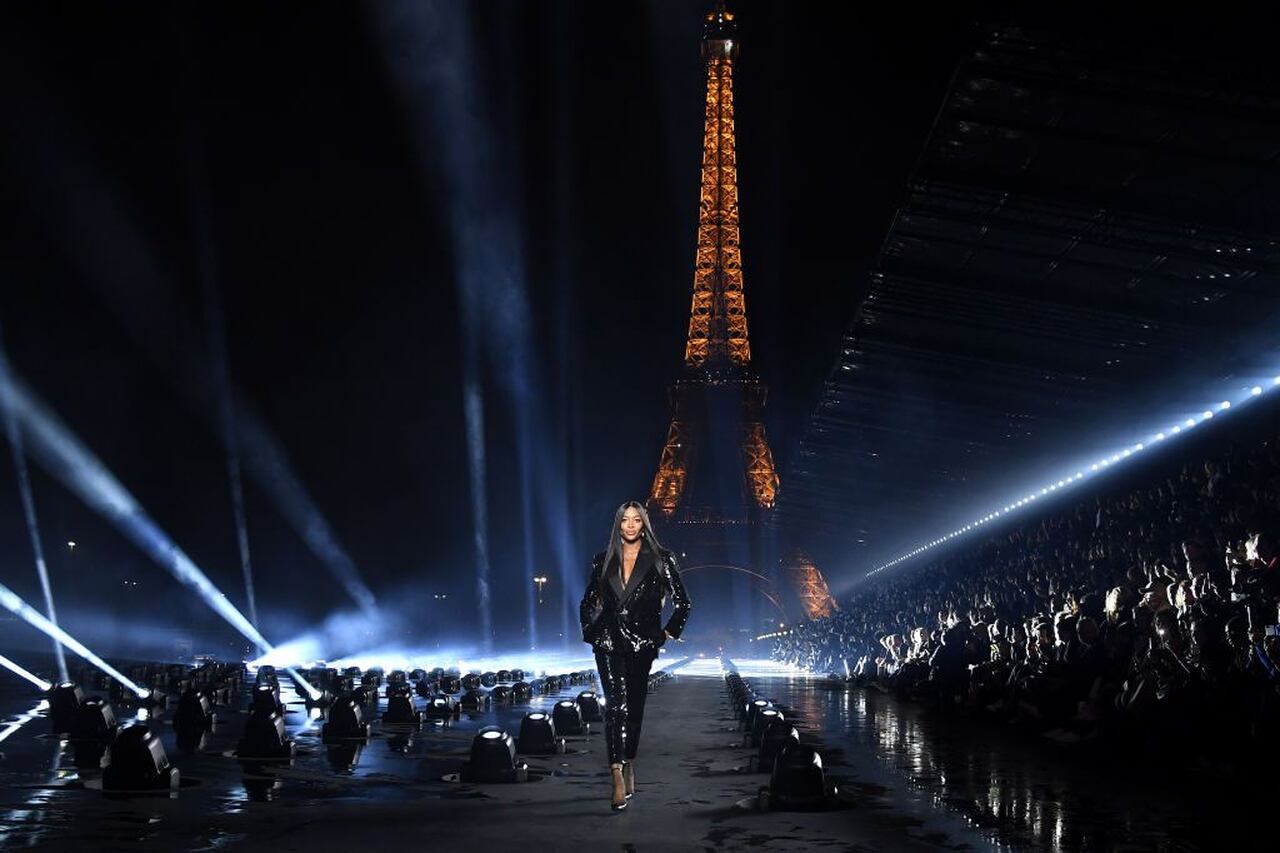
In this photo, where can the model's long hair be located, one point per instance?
(647, 536)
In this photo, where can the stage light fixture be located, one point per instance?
(450, 684)
(590, 703)
(94, 720)
(264, 737)
(493, 758)
(474, 700)
(504, 676)
(318, 706)
(195, 711)
(500, 695)
(489, 679)
(754, 707)
(517, 675)
(538, 735)
(64, 702)
(762, 722)
(470, 681)
(778, 736)
(567, 717)
(346, 720)
(138, 762)
(442, 707)
(797, 782)
(266, 697)
(521, 691)
(401, 709)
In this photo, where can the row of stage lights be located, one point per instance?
(1066, 482)
(135, 761)
(69, 460)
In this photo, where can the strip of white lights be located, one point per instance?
(1071, 479)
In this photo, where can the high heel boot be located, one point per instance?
(619, 788)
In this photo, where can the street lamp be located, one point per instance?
(541, 581)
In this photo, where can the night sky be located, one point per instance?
(156, 154)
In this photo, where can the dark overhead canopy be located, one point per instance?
(1086, 248)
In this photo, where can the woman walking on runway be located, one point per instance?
(621, 616)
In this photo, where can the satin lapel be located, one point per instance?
(644, 565)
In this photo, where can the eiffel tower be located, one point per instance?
(716, 481)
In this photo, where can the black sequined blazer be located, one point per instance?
(617, 618)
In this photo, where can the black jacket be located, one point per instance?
(618, 619)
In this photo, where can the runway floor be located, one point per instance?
(906, 783)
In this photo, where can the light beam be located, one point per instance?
(33, 529)
(15, 605)
(74, 465)
(41, 685)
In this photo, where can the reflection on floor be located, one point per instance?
(911, 779)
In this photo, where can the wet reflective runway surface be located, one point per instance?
(1018, 791)
(942, 781)
(50, 788)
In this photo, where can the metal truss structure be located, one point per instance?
(718, 399)
(1088, 239)
(810, 586)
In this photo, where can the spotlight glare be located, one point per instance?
(1255, 390)
(1224, 405)
(1159, 436)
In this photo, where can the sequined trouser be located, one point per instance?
(625, 679)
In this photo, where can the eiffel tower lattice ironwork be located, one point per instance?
(716, 479)
(717, 357)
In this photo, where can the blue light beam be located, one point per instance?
(33, 531)
(41, 685)
(15, 605)
(75, 466)
(116, 260)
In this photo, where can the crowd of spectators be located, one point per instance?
(1150, 614)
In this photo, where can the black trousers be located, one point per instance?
(625, 679)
